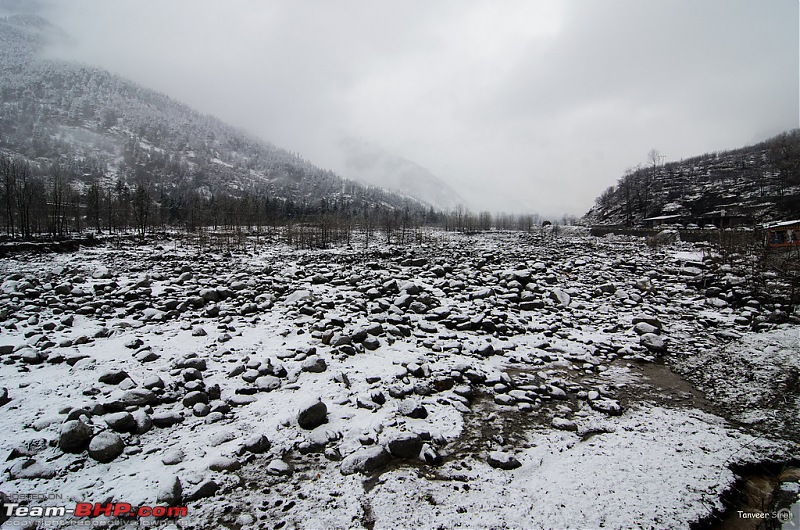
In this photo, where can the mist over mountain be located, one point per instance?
(100, 127)
(369, 163)
(757, 183)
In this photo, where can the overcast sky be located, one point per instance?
(527, 105)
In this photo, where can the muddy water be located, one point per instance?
(655, 382)
(491, 426)
(757, 490)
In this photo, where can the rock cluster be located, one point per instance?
(404, 335)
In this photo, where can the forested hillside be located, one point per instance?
(759, 183)
(81, 145)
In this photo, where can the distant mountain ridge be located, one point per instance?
(758, 183)
(373, 165)
(102, 127)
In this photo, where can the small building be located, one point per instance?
(723, 219)
(785, 234)
(659, 220)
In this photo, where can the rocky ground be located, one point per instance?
(498, 380)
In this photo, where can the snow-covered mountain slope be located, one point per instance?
(758, 183)
(103, 127)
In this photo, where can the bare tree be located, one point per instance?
(25, 193)
(93, 205)
(141, 208)
(58, 187)
(8, 171)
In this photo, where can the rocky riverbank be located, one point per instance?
(489, 380)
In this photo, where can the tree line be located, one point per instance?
(52, 201)
(769, 171)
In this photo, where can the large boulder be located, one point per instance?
(312, 414)
(405, 445)
(74, 436)
(170, 491)
(121, 421)
(653, 342)
(502, 460)
(314, 364)
(106, 446)
(365, 460)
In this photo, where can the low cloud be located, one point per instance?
(521, 106)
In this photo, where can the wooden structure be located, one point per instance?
(783, 235)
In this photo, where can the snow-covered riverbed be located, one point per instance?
(493, 381)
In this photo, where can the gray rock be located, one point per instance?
(429, 455)
(365, 460)
(667, 237)
(240, 400)
(207, 488)
(564, 424)
(113, 377)
(106, 446)
(220, 437)
(138, 397)
(648, 319)
(267, 383)
(201, 410)
(30, 447)
(502, 460)
(225, 463)
(250, 376)
(258, 443)
(412, 409)
(278, 467)
(74, 436)
(411, 288)
(193, 398)
(29, 468)
(31, 356)
(134, 344)
(146, 356)
(314, 364)
(166, 419)
(371, 343)
(405, 445)
(505, 399)
(644, 284)
(121, 421)
(191, 374)
(481, 294)
(561, 297)
(653, 342)
(340, 339)
(298, 296)
(607, 406)
(170, 491)
(173, 456)
(312, 415)
(198, 363)
(143, 422)
(643, 327)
